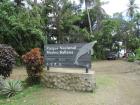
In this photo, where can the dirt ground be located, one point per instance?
(118, 83)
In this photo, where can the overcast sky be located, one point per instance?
(115, 5)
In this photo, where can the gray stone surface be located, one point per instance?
(77, 81)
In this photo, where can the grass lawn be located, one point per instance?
(33, 95)
(26, 97)
(104, 81)
(117, 83)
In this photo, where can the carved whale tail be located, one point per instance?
(93, 43)
(83, 50)
(76, 62)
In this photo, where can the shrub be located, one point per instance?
(138, 54)
(131, 58)
(11, 88)
(34, 65)
(7, 59)
(1, 82)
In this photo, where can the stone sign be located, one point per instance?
(69, 55)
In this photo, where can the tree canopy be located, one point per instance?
(27, 24)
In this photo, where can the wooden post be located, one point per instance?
(86, 69)
(48, 68)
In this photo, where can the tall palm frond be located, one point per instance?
(132, 8)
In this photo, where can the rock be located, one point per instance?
(69, 81)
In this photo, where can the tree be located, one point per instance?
(99, 12)
(19, 2)
(88, 3)
(137, 24)
(22, 28)
(132, 8)
(122, 30)
(133, 43)
(35, 1)
(61, 21)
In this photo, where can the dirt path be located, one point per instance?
(127, 79)
(118, 83)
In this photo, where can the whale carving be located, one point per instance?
(83, 50)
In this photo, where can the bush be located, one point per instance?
(10, 88)
(137, 54)
(131, 58)
(7, 60)
(34, 65)
(1, 82)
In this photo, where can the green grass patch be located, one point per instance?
(26, 97)
(33, 95)
(104, 81)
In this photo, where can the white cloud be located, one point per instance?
(117, 6)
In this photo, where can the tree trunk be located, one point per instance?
(58, 27)
(89, 20)
(35, 1)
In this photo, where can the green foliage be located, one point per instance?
(20, 26)
(18, 61)
(27, 94)
(131, 58)
(137, 54)
(132, 9)
(60, 21)
(104, 37)
(63, 22)
(82, 35)
(133, 42)
(11, 88)
(1, 82)
(104, 81)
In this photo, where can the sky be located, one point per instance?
(117, 6)
(114, 6)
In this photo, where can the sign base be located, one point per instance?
(70, 79)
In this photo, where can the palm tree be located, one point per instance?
(35, 1)
(96, 6)
(137, 22)
(88, 3)
(100, 13)
(132, 8)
